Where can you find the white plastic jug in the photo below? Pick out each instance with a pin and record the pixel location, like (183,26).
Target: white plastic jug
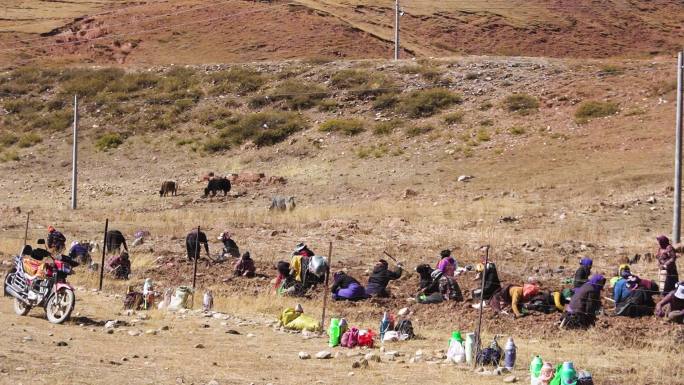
(456,352)
(469,347)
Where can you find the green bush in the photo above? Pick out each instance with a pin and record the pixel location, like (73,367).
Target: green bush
(27,79)
(236,80)
(362,83)
(328,105)
(423,103)
(595,109)
(29,139)
(9,155)
(386,128)
(610,69)
(108,141)
(345,126)
(87,82)
(454,117)
(483,135)
(54,121)
(134,82)
(385,101)
(298,95)
(516,130)
(413,131)
(263,128)
(22,105)
(521,103)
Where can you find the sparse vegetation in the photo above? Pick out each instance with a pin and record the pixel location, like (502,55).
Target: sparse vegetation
(414,131)
(7,139)
(427,72)
(483,135)
(263,128)
(362,83)
(425,103)
(328,105)
(9,156)
(298,95)
(521,103)
(516,130)
(108,141)
(385,101)
(387,127)
(594,109)
(610,69)
(345,126)
(28,140)
(485,106)
(236,80)
(376,151)
(456,117)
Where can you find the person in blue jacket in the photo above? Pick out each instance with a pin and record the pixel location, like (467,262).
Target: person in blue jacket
(620,290)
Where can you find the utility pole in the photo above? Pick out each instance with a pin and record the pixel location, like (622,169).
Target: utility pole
(74,160)
(676,223)
(396,29)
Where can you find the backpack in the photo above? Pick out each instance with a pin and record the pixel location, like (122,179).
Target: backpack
(489,356)
(350,338)
(405,330)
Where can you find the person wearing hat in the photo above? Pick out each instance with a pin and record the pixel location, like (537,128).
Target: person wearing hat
(515,296)
(447,264)
(640,300)
(621,269)
(581,311)
(492,284)
(583,272)
(193,241)
(380,278)
(300,262)
(229,246)
(442,288)
(675,300)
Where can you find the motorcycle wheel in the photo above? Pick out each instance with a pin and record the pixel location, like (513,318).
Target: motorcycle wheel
(59,306)
(21,308)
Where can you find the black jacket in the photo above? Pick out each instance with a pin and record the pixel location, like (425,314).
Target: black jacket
(343,283)
(581,276)
(380,277)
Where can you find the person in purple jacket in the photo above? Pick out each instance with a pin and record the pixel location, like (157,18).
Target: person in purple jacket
(447,264)
(346,287)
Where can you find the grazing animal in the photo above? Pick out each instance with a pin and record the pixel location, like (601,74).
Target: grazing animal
(282,203)
(216,185)
(114,240)
(168,187)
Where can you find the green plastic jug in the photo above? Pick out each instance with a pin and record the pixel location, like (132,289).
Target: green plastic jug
(334,332)
(535,370)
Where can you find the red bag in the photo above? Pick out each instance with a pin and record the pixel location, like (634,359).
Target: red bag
(366,338)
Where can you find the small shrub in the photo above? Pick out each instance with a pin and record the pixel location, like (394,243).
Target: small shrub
(427,72)
(663,87)
(298,95)
(611,69)
(216,144)
(54,121)
(472,75)
(362,83)
(385,101)
(236,80)
(9,155)
(425,103)
(386,128)
(454,117)
(133,82)
(29,139)
(417,130)
(483,135)
(521,103)
(328,105)
(636,112)
(374,151)
(485,106)
(210,114)
(108,141)
(594,109)
(7,139)
(87,82)
(21,105)
(486,123)
(515,130)
(348,127)
(258,102)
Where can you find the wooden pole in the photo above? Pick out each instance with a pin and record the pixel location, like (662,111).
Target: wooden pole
(194,268)
(28,215)
(479,322)
(104,247)
(327,288)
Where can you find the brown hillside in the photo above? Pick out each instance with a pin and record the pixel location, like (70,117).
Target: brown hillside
(190,31)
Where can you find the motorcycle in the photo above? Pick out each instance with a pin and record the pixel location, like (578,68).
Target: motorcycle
(52,292)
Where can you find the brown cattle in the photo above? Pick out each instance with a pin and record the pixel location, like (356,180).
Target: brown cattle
(168,187)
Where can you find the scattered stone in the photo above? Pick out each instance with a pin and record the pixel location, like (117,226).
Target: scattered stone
(354,353)
(350,374)
(199,346)
(323,355)
(213,382)
(204,326)
(151,332)
(111,324)
(652,200)
(465,178)
(304,355)
(61,343)
(231,331)
(408,193)
(360,364)
(403,311)
(20,369)
(250,335)
(510,379)
(133,333)
(28,339)
(124,359)
(372,357)
(164,328)
(110,331)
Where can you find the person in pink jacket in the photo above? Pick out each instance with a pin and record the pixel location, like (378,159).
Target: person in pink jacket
(447,264)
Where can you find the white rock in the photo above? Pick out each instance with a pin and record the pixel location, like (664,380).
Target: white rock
(324,355)
(372,357)
(465,178)
(133,333)
(304,355)
(111,324)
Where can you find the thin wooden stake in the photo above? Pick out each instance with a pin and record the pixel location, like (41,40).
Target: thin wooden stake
(28,215)
(327,288)
(104,247)
(479,322)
